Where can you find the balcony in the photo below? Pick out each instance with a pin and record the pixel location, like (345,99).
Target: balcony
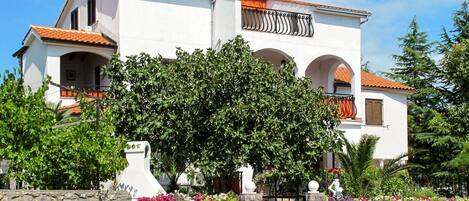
(346,104)
(277,21)
(74,91)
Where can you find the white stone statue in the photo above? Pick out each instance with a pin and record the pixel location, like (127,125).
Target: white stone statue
(335,188)
(137,178)
(247,180)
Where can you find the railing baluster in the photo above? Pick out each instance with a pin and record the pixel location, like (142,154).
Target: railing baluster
(346,104)
(277,21)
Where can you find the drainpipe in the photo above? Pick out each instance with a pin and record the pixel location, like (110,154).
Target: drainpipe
(212,23)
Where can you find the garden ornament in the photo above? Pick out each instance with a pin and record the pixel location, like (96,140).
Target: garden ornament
(335,188)
(313,186)
(250,187)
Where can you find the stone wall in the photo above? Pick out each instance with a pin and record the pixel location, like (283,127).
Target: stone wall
(20,195)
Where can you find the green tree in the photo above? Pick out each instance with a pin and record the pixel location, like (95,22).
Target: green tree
(356,160)
(462,159)
(415,67)
(219,110)
(50,157)
(460,31)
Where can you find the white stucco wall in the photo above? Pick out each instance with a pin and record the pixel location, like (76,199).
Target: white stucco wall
(107,17)
(393,133)
(82,14)
(160,26)
(34,65)
(336,35)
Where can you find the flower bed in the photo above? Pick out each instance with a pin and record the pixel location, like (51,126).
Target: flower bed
(196,197)
(398,198)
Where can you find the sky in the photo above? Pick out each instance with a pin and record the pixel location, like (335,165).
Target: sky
(389,21)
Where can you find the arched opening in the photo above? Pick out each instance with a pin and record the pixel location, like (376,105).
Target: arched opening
(336,77)
(322,72)
(82,71)
(274,56)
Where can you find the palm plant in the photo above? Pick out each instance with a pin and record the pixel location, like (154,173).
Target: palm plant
(357,160)
(60,114)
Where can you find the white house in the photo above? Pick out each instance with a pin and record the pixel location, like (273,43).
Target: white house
(324,41)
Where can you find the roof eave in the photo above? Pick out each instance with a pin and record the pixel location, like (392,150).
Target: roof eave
(344,12)
(53,40)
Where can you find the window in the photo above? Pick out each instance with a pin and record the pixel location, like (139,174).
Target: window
(91,12)
(374,112)
(74,19)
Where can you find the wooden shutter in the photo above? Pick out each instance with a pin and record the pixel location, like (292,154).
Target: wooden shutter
(374,112)
(254,3)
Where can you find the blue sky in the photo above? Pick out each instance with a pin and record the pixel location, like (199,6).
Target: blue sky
(390,20)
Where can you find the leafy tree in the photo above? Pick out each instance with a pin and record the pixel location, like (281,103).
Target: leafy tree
(49,157)
(219,110)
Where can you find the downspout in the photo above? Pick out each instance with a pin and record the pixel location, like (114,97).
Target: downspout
(365,19)
(212,23)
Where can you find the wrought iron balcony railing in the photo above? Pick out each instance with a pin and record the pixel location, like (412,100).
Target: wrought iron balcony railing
(346,104)
(277,21)
(74,91)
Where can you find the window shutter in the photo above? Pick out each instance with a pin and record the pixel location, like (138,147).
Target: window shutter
(374,112)
(368,111)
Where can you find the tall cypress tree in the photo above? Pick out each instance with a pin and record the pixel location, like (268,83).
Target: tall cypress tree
(415,67)
(450,77)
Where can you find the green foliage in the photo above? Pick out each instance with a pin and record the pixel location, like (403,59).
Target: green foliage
(75,157)
(356,161)
(360,178)
(61,115)
(401,184)
(219,110)
(424,192)
(462,159)
(415,66)
(439,110)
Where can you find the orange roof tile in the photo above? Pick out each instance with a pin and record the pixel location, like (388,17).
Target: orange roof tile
(74,109)
(300,2)
(369,80)
(93,38)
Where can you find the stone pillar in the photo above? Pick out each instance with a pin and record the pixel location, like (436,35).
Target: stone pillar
(381,163)
(315,197)
(250,197)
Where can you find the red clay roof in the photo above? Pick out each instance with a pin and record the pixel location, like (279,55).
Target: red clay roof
(93,38)
(364,12)
(74,109)
(369,80)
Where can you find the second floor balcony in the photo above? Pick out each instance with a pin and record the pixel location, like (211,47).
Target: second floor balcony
(277,21)
(76,91)
(345,103)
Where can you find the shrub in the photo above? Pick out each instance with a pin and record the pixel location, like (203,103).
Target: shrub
(397,185)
